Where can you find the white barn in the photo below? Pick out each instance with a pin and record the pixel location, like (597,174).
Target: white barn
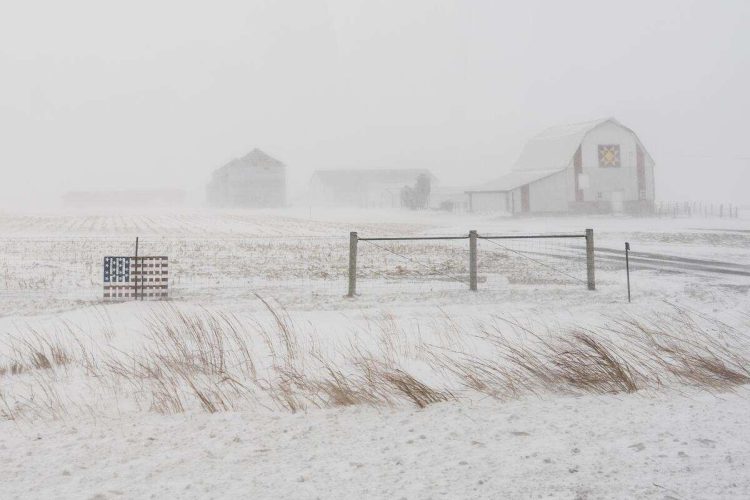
(597,166)
(254,181)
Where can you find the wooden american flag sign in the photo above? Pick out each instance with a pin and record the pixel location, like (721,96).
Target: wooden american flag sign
(132,278)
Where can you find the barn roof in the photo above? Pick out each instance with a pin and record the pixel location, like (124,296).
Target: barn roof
(554,147)
(258,158)
(547,153)
(255,158)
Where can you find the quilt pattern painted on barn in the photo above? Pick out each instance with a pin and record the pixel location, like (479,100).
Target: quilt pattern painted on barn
(609,155)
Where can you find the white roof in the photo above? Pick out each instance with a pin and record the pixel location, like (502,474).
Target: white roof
(512,180)
(547,153)
(554,147)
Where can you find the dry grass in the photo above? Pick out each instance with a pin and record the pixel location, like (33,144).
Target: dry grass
(35,351)
(413,389)
(214,362)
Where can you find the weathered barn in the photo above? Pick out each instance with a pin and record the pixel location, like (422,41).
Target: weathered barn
(375,188)
(254,181)
(597,166)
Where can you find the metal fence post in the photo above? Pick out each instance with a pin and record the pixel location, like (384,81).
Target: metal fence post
(473,260)
(627,266)
(353,238)
(590,259)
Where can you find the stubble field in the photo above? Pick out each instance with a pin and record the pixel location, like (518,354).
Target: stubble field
(258,325)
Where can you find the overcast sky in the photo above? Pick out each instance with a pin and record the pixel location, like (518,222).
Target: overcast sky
(159,93)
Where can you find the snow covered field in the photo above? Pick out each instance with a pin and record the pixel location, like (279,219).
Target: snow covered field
(692,445)
(260,379)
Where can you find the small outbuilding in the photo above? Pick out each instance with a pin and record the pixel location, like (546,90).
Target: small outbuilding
(254,181)
(373,188)
(597,166)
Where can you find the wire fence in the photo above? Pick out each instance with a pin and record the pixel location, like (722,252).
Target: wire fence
(60,271)
(444,263)
(532,261)
(696,209)
(45,273)
(423,266)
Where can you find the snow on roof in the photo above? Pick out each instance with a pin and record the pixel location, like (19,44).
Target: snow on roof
(554,147)
(512,180)
(547,153)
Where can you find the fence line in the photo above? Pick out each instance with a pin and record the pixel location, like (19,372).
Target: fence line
(472,236)
(409,259)
(532,236)
(535,260)
(696,209)
(414,238)
(46,273)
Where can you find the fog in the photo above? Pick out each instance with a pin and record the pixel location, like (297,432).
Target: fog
(158,94)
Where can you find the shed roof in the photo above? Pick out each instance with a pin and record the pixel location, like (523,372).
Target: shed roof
(513,180)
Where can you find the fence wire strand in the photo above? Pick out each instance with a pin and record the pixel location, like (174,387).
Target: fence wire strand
(521,254)
(409,259)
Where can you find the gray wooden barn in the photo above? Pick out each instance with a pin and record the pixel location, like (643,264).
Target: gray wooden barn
(254,181)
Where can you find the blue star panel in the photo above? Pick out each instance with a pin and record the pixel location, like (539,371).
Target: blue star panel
(130,278)
(116,269)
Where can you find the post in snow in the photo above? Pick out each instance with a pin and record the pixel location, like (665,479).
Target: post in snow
(353,238)
(473,260)
(590,259)
(627,266)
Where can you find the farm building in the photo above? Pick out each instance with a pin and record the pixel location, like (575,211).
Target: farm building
(254,181)
(373,188)
(597,166)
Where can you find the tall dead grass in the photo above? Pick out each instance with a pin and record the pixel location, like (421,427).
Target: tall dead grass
(215,362)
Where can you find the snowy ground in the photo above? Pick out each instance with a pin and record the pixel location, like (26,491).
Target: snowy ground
(76,431)
(54,262)
(635,446)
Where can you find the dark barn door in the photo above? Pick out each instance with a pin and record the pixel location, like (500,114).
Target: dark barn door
(525,204)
